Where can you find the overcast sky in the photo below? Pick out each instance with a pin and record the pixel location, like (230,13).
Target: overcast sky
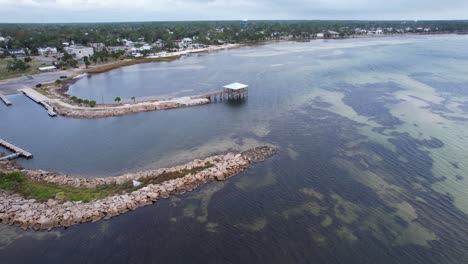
(48,11)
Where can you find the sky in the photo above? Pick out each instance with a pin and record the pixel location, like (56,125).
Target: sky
(58,11)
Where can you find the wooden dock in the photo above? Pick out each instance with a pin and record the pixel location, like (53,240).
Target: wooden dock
(15,149)
(40,99)
(5,100)
(210,96)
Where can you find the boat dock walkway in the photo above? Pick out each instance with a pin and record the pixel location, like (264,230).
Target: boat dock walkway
(15,149)
(4,99)
(40,99)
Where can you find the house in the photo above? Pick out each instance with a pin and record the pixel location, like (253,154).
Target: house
(379,32)
(116,48)
(320,35)
(360,31)
(16,52)
(66,44)
(128,43)
(2,39)
(97,46)
(159,43)
(145,47)
(79,52)
(332,34)
(187,42)
(47,50)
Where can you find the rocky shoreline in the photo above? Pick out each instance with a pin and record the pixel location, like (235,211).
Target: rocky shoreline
(30,214)
(67,110)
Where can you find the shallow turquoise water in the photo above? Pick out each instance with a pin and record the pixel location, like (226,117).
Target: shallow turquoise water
(372,164)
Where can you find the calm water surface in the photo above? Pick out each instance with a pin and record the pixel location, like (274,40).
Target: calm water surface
(372,165)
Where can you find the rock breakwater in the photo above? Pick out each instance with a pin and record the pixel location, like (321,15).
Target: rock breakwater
(68,110)
(31,214)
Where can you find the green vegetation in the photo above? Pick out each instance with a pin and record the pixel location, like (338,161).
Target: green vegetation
(67,60)
(119,64)
(174,175)
(32,36)
(117,99)
(6,74)
(43,191)
(90,103)
(16,65)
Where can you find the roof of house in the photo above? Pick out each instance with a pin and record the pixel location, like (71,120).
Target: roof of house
(236,86)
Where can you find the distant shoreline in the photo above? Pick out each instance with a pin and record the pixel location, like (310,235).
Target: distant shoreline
(73,73)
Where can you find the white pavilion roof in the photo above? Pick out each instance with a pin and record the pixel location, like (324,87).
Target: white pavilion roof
(236,86)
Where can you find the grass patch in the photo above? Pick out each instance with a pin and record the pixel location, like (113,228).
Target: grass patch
(43,191)
(119,64)
(5,74)
(174,175)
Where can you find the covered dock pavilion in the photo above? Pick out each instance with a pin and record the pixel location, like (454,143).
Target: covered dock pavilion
(236,90)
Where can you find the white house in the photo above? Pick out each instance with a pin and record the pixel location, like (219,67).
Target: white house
(320,35)
(97,46)
(47,50)
(333,34)
(145,47)
(79,52)
(187,42)
(379,32)
(2,38)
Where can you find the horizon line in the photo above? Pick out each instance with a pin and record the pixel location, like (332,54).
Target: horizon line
(258,20)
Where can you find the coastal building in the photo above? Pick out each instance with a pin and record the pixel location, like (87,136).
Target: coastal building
(379,32)
(320,35)
(16,52)
(97,46)
(332,34)
(187,42)
(128,43)
(79,52)
(159,43)
(116,48)
(47,50)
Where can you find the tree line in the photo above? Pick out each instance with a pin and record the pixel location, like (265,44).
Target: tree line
(32,36)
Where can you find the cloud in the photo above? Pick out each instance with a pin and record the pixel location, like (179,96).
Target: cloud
(151,10)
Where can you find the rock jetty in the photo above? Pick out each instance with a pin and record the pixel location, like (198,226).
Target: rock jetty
(30,214)
(68,110)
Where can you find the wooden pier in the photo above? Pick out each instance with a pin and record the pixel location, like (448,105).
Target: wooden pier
(5,100)
(234,91)
(40,99)
(15,149)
